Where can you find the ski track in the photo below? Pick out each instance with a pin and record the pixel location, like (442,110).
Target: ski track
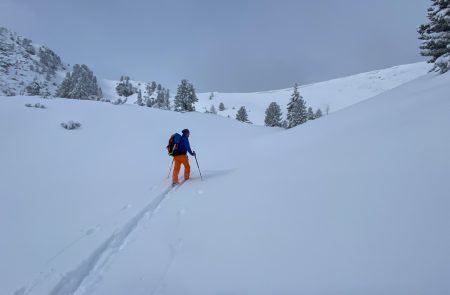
(89,272)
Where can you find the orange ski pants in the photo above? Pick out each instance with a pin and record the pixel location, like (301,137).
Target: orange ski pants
(181,159)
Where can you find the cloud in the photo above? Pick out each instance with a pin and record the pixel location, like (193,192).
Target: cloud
(17,16)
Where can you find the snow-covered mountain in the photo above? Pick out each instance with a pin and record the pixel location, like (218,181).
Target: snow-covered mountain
(356,202)
(28,68)
(331,95)
(24,63)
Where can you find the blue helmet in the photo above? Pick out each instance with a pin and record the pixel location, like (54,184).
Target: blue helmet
(185,131)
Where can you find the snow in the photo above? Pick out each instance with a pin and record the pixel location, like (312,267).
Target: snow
(18,68)
(353,203)
(336,94)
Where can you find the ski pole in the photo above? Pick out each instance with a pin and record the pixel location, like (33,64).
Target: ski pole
(195,155)
(170,168)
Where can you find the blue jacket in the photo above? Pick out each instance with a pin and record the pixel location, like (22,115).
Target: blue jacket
(183,146)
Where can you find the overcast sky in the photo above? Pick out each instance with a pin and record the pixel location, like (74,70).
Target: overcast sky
(224,45)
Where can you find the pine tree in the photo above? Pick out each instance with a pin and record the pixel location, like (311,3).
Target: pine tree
(160,101)
(33,89)
(167,99)
(80,84)
(64,88)
(185,98)
(435,35)
(318,114)
(310,114)
(242,116)
(211,96)
(296,110)
(273,115)
(150,88)
(221,107)
(149,102)
(139,98)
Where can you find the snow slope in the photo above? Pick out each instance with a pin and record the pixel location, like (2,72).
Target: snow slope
(23,62)
(354,203)
(336,94)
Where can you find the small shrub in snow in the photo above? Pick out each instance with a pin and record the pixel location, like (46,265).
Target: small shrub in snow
(71,125)
(36,105)
(119,101)
(105,100)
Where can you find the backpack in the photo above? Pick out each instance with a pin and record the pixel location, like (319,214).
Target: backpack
(172,147)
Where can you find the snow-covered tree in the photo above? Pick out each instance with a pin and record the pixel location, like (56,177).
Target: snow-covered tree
(221,107)
(160,101)
(185,98)
(150,88)
(211,96)
(80,84)
(242,116)
(50,60)
(435,35)
(149,102)
(273,115)
(65,87)
(139,98)
(318,114)
(310,114)
(296,110)
(26,44)
(33,89)
(124,87)
(167,99)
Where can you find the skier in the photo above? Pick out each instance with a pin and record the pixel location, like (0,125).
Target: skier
(180,157)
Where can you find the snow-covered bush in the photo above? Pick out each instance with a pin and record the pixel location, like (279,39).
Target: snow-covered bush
(119,101)
(36,105)
(71,125)
(443,62)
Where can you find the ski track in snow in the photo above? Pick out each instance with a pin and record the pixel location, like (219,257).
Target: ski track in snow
(89,272)
(45,274)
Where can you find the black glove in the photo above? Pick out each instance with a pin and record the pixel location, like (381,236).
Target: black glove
(194,154)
